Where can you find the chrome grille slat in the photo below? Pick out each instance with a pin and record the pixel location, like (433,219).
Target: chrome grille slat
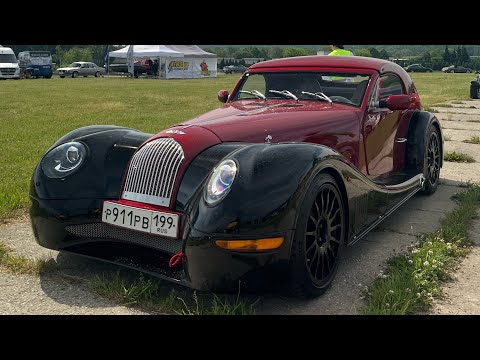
(161,168)
(173,176)
(171,171)
(140,173)
(149,153)
(168,162)
(152,172)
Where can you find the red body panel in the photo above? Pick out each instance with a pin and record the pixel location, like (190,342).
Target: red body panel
(350,130)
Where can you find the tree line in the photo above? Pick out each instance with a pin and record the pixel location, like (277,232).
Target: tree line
(435,58)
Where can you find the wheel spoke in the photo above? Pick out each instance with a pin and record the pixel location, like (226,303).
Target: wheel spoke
(331,218)
(311,233)
(327,202)
(310,247)
(333,203)
(316,269)
(333,228)
(313,259)
(328,261)
(334,239)
(323,262)
(318,210)
(314,220)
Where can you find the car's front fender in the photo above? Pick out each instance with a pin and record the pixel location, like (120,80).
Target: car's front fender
(109,150)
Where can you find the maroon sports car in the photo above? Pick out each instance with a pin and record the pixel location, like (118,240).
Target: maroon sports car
(307,155)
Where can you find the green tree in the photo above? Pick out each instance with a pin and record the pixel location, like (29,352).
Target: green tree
(77,54)
(384,54)
(290,52)
(275,52)
(447,56)
(362,52)
(374,52)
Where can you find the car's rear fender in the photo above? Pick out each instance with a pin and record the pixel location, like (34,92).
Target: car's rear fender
(419,125)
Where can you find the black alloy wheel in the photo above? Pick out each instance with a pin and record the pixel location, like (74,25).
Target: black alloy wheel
(319,238)
(432,173)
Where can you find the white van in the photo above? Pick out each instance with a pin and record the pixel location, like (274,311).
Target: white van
(9,68)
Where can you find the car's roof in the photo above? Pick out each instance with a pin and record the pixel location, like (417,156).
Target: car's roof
(359,62)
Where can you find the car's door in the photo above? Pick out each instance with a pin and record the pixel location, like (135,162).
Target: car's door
(91,69)
(380,127)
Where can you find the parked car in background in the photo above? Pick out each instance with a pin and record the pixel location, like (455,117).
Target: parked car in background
(475,88)
(456,69)
(234,69)
(142,66)
(306,156)
(417,68)
(35,64)
(9,68)
(81,68)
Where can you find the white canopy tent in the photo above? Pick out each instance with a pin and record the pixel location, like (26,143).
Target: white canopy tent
(140,51)
(145,51)
(196,63)
(177,61)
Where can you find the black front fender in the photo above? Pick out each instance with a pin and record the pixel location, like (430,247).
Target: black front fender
(263,199)
(109,150)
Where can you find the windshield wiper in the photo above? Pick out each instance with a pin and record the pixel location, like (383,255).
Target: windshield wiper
(285,93)
(318,95)
(255,93)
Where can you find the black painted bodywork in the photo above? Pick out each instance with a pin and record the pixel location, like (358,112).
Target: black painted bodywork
(270,186)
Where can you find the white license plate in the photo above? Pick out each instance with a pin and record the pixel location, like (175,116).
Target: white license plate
(149,221)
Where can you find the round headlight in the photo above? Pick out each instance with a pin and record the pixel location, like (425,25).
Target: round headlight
(64,159)
(220,181)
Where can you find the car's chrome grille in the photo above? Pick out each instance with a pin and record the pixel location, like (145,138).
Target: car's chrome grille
(152,172)
(7,71)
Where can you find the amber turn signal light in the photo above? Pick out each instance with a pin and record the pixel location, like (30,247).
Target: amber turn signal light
(251,245)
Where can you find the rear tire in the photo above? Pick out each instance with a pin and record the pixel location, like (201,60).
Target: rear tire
(425,157)
(319,238)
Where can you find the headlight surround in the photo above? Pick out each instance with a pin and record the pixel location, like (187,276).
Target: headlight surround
(64,159)
(221,181)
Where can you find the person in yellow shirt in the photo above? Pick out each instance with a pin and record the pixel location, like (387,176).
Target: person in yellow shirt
(338,50)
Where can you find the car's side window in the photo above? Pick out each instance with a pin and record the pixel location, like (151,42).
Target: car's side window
(390,85)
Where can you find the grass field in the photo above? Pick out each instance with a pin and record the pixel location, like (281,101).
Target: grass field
(34,113)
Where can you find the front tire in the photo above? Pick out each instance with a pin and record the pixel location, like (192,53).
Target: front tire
(97,74)
(74,74)
(319,238)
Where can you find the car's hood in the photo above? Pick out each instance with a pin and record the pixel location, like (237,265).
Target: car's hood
(280,121)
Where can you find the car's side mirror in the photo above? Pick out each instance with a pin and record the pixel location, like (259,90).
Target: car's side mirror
(223,96)
(396,102)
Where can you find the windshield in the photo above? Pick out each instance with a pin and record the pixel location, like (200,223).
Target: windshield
(8,58)
(74,65)
(346,88)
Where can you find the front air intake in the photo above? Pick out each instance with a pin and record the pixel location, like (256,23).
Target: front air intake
(152,172)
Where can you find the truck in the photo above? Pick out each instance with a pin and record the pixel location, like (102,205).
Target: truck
(9,68)
(35,64)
